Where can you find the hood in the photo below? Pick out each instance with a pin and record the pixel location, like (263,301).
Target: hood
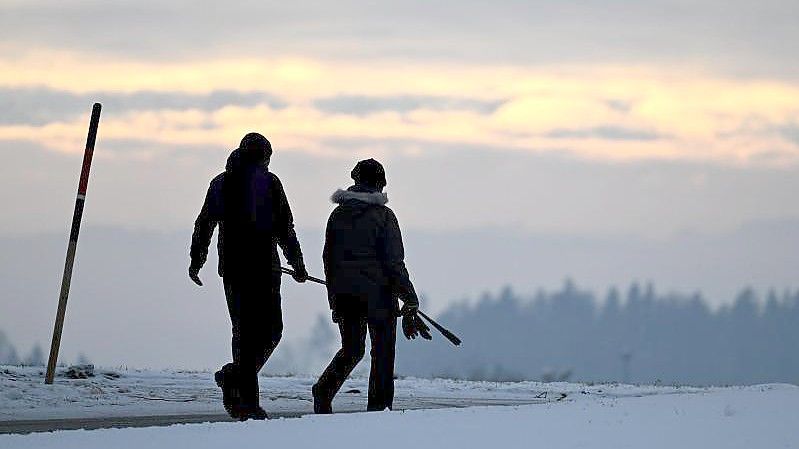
(237,160)
(361,195)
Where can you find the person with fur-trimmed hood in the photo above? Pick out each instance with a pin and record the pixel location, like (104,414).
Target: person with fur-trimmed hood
(365,270)
(249,204)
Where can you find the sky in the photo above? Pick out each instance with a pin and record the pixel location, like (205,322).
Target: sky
(698,85)
(580,120)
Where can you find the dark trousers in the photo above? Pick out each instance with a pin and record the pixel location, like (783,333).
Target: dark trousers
(353,324)
(257,324)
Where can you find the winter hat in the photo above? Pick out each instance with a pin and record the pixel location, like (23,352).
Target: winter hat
(255,148)
(369,173)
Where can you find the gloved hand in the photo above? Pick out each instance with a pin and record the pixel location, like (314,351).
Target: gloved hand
(194,275)
(300,273)
(409,308)
(413,326)
(334,315)
(421,326)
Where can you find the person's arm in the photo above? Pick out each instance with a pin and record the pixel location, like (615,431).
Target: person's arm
(394,263)
(285,233)
(203,233)
(327,261)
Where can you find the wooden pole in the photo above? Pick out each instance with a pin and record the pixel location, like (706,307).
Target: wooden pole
(73,243)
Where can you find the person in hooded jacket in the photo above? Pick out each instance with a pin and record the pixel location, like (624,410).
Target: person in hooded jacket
(249,204)
(365,270)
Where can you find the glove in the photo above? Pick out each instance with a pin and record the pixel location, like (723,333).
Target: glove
(421,326)
(194,275)
(413,326)
(334,315)
(409,308)
(300,273)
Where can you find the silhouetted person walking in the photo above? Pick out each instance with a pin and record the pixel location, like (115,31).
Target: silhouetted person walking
(250,206)
(365,271)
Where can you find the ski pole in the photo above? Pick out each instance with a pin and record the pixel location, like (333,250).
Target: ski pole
(444,331)
(310,278)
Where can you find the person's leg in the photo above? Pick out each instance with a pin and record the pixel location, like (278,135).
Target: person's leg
(273,327)
(234,310)
(383,334)
(250,345)
(352,327)
(227,377)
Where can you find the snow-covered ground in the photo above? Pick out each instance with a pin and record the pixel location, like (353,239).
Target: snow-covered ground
(23,395)
(598,416)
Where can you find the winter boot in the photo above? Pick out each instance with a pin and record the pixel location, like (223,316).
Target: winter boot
(256,413)
(321,405)
(227,379)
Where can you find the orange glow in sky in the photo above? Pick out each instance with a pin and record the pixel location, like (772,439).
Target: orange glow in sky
(671,114)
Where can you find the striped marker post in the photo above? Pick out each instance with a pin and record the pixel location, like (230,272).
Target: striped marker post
(73,242)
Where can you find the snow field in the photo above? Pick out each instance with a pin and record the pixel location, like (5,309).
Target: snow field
(758,417)
(23,395)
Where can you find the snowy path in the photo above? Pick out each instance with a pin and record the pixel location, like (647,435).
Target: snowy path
(93,423)
(125,393)
(761,417)
(49,425)
(135,398)
(553,415)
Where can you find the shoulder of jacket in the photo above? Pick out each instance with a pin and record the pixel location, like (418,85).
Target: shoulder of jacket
(386,214)
(218,179)
(273,177)
(336,210)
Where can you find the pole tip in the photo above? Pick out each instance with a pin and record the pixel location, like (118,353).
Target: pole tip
(97,107)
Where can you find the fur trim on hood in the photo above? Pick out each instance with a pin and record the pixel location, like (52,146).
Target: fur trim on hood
(378,198)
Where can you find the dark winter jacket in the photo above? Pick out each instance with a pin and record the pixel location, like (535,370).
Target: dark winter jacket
(363,254)
(251,208)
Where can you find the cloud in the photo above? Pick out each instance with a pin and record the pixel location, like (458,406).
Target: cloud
(39,105)
(362,105)
(604,132)
(597,112)
(734,37)
(619,105)
(790,132)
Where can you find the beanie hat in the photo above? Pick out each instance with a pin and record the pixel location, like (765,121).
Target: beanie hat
(369,173)
(255,147)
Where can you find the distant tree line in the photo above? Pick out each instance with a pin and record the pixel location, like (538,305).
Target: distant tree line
(638,337)
(9,355)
